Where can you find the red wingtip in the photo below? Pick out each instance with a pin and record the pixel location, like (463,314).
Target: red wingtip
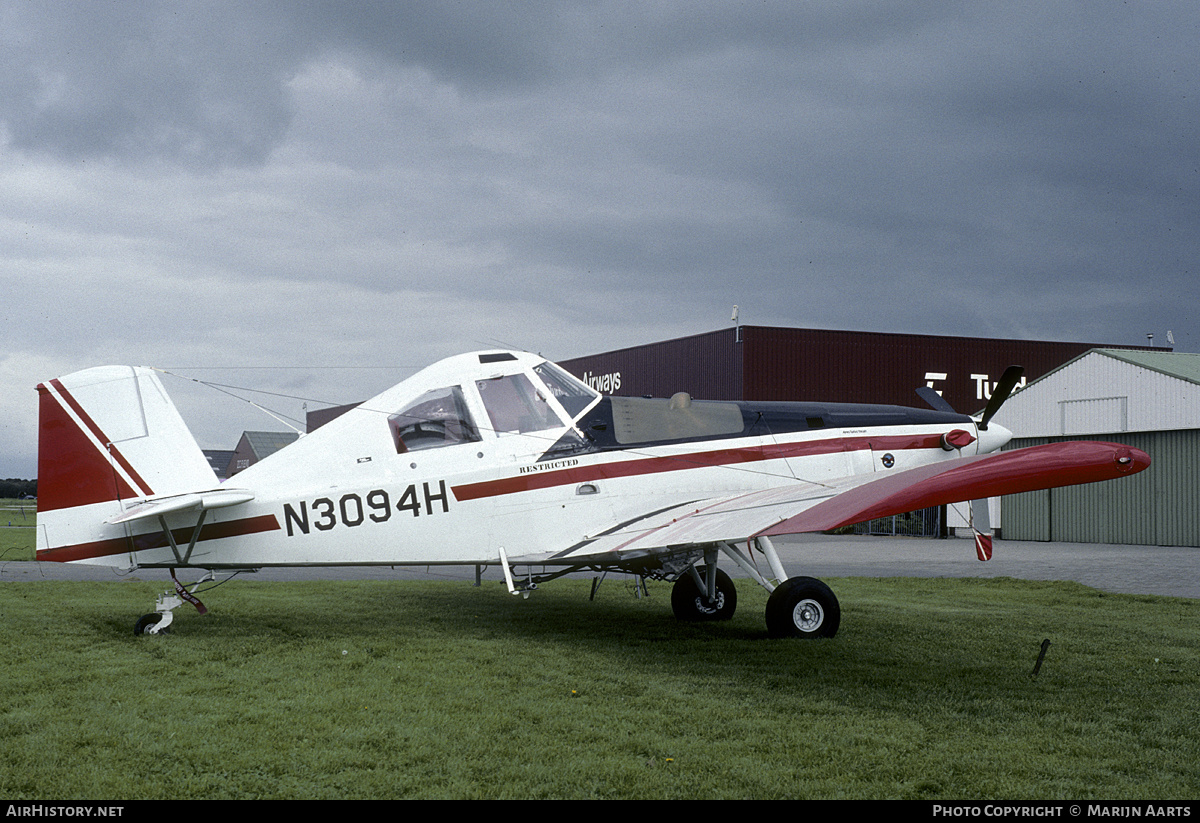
(1130,460)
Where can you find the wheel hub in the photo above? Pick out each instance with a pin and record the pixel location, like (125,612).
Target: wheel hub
(703,606)
(808,615)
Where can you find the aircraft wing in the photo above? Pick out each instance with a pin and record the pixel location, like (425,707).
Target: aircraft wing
(812,507)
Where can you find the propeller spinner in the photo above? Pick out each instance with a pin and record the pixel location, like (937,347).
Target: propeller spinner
(989,441)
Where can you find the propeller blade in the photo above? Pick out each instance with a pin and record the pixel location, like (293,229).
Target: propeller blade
(1008,381)
(935,400)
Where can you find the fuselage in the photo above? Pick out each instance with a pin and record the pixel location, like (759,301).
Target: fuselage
(501,450)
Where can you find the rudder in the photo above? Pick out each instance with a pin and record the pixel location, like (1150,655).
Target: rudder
(106,436)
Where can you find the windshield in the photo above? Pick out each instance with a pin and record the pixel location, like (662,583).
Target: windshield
(572,395)
(514,405)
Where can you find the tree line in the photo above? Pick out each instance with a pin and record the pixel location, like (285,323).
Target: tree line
(14,488)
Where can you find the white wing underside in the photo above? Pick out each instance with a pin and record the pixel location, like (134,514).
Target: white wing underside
(809,507)
(712,520)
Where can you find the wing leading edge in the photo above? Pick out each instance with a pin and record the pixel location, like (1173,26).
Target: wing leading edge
(815,508)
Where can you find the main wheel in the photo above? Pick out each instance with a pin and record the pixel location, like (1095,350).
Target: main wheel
(146,621)
(803,607)
(691,604)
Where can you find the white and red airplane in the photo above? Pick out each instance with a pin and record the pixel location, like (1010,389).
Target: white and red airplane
(503,458)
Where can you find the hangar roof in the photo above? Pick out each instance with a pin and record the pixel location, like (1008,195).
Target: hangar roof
(1184,365)
(264,444)
(1109,391)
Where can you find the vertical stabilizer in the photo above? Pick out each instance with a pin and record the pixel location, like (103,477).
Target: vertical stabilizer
(108,436)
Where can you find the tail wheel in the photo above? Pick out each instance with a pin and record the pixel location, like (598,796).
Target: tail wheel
(146,621)
(691,604)
(803,607)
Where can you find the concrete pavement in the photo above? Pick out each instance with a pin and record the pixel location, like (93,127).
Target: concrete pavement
(1164,570)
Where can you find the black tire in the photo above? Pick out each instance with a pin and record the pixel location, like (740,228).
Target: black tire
(146,621)
(803,607)
(691,604)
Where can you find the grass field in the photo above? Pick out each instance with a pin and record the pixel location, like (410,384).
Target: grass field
(429,689)
(17,520)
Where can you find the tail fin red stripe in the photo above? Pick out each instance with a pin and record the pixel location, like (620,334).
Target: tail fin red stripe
(72,469)
(100,436)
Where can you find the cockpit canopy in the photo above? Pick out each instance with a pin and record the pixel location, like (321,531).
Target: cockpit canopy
(437,418)
(544,398)
(490,395)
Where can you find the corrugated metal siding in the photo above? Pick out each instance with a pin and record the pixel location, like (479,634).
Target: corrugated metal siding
(1095,392)
(706,366)
(1157,507)
(874,367)
(1177,455)
(1026,516)
(817,364)
(1109,414)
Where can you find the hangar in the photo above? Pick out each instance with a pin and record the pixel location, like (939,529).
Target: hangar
(254,446)
(1146,399)
(772,363)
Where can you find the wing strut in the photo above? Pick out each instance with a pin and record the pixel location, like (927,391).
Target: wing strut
(737,556)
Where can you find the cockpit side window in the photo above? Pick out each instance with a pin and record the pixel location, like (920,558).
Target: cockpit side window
(573,395)
(514,405)
(638,420)
(437,418)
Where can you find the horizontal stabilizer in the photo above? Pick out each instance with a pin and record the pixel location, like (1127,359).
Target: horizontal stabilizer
(201,501)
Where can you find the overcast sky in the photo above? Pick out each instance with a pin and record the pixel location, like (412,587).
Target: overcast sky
(319,198)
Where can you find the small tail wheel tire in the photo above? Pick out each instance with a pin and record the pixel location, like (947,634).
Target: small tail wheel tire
(146,621)
(692,605)
(803,607)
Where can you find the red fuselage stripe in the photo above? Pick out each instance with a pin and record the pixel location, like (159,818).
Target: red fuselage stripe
(697,460)
(158,540)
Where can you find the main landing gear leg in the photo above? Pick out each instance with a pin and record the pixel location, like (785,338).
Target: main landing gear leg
(159,621)
(801,607)
(704,593)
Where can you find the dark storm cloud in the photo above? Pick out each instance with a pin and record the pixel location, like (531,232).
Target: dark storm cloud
(473,44)
(363,182)
(204,82)
(142,80)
